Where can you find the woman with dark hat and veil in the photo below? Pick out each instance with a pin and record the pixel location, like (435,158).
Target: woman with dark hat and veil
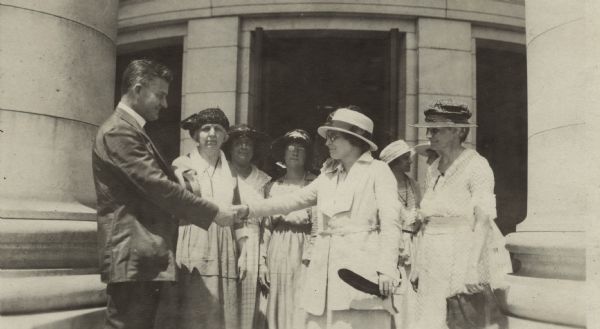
(242,149)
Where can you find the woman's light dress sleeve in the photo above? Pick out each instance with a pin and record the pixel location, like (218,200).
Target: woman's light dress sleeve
(304,198)
(481,186)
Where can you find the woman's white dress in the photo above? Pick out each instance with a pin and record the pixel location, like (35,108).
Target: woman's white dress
(207,287)
(358,227)
(285,240)
(450,200)
(252,302)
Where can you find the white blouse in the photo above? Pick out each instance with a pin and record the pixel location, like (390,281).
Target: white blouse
(466,184)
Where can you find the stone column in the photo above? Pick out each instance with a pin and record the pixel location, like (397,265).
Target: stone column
(548,286)
(444,69)
(210,67)
(57,64)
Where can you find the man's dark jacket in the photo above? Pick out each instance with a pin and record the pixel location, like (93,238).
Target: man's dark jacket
(139,204)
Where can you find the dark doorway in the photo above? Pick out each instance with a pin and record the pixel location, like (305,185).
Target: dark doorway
(164,132)
(502,132)
(306,74)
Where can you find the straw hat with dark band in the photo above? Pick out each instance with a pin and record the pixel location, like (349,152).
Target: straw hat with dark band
(350,122)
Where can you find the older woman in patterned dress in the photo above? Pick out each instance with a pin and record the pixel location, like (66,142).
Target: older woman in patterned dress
(462,249)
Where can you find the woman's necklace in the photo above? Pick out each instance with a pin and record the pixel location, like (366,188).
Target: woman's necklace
(405,198)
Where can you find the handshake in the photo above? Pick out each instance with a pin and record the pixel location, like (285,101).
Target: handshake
(231,214)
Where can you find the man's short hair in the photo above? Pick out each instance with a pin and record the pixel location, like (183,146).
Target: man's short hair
(142,71)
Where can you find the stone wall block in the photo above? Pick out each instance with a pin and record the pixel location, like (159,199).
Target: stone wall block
(211,70)
(225,101)
(438,33)
(446,72)
(412,72)
(220,32)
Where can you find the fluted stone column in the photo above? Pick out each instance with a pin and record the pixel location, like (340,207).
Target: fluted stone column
(57,67)
(548,287)
(210,68)
(445,69)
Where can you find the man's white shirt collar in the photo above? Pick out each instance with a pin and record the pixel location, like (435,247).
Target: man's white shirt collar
(138,118)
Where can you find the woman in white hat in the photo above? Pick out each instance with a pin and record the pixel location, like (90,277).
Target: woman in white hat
(358,226)
(461,251)
(398,155)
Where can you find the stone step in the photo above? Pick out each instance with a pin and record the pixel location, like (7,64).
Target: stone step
(50,293)
(89,318)
(46,244)
(22,273)
(518,323)
(562,302)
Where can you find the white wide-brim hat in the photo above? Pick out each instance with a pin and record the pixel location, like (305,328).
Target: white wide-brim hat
(394,150)
(350,122)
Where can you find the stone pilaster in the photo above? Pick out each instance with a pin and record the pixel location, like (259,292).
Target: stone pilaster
(210,68)
(444,68)
(548,286)
(57,67)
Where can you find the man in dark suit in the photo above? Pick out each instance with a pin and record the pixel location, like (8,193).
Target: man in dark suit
(140,201)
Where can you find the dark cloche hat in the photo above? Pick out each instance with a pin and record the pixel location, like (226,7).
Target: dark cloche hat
(242,129)
(296,135)
(213,115)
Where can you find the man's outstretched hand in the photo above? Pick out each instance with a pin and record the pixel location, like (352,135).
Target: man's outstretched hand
(241,211)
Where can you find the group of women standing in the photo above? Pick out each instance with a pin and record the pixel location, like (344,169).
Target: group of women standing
(279,269)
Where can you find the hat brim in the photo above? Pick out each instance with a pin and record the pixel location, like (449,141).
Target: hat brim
(255,135)
(421,149)
(280,141)
(442,125)
(278,145)
(412,154)
(323,130)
